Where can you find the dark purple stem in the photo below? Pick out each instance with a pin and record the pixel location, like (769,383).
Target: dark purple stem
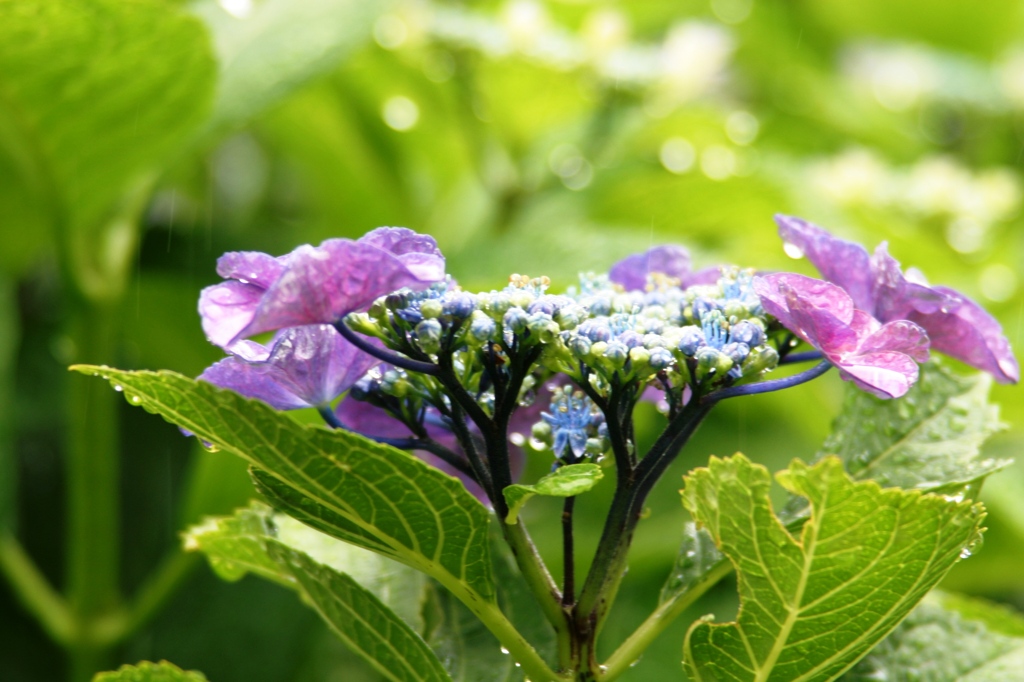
(806,356)
(383,354)
(767,386)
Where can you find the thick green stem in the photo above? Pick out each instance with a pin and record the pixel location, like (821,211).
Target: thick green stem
(631,492)
(33,590)
(666,613)
(91,447)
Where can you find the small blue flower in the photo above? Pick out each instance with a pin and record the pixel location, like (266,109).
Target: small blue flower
(571,418)
(714,326)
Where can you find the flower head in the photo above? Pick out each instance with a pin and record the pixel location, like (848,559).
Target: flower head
(956,325)
(880,358)
(306,366)
(314,285)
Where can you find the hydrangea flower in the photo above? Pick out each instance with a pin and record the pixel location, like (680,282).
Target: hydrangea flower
(956,325)
(669,260)
(306,366)
(314,285)
(880,358)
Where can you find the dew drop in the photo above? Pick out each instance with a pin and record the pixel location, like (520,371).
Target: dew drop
(792,250)
(504,651)
(118,387)
(136,399)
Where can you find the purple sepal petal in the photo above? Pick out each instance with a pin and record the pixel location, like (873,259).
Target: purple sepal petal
(632,271)
(307,366)
(878,358)
(839,261)
(968,333)
(226,309)
(707,276)
(954,324)
(323,284)
(251,267)
(899,335)
(886,374)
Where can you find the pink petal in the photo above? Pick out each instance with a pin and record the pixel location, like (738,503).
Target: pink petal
(250,267)
(969,334)
(839,261)
(226,309)
(323,284)
(900,335)
(886,374)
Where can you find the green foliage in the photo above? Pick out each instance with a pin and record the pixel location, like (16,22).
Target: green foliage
(811,607)
(566,481)
(361,621)
(338,482)
(930,439)
(276,46)
(150,672)
(95,96)
(698,557)
(237,544)
(357,593)
(938,644)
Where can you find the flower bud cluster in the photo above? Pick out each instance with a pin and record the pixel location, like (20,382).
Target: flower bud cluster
(704,333)
(596,332)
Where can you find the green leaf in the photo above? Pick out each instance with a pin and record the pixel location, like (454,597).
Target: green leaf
(367,626)
(150,672)
(929,439)
(697,557)
(567,481)
(236,545)
(937,644)
(342,484)
(811,607)
(277,46)
(996,617)
(95,97)
(372,603)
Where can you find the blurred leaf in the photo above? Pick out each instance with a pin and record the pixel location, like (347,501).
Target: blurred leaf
(336,481)
(936,644)
(95,96)
(698,555)
(267,49)
(363,622)
(150,672)
(996,617)
(566,481)
(330,574)
(462,642)
(929,439)
(9,339)
(236,545)
(810,608)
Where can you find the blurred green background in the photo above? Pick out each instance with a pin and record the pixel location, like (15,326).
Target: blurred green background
(141,139)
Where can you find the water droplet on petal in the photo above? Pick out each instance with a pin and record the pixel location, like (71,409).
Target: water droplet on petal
(792,250)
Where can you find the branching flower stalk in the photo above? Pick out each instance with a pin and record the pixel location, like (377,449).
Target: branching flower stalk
(461,378)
